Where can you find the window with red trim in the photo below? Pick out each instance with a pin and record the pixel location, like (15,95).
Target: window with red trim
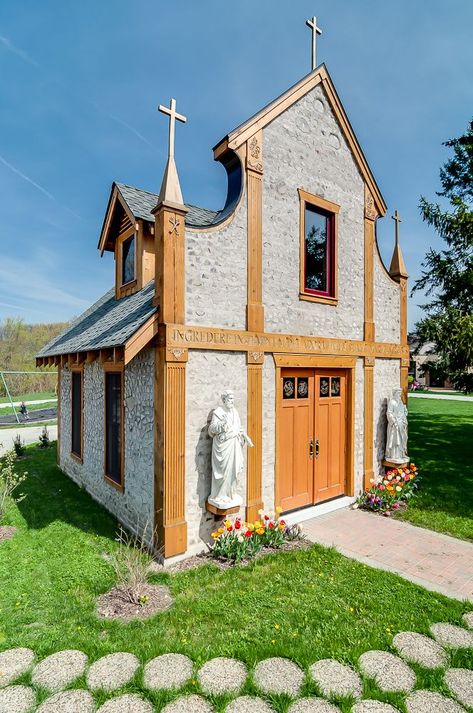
(319,251)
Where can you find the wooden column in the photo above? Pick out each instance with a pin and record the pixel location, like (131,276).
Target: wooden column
(368,421)
(254,177)
(370,218)
(403,337)
(254,497)
(170,262)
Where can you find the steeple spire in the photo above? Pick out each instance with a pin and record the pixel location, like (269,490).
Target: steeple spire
(170,191)
(397,269)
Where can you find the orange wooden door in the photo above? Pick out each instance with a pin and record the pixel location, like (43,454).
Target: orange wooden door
(330,433)
(295,434)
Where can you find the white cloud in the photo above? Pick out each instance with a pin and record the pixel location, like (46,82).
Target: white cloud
(8,44)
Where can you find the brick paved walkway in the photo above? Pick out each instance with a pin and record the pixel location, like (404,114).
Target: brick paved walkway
(435,561)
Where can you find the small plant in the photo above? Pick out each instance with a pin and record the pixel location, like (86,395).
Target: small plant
(131,560)
(391,491)
(19,446)
(10,480)
(44,441)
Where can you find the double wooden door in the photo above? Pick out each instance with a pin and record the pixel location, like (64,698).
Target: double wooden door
(312,436)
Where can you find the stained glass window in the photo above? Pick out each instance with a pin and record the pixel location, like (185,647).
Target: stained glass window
(324,386)
(289,388)
(302,387)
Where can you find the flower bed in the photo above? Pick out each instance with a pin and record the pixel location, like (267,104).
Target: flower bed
(237,540)
(390,492)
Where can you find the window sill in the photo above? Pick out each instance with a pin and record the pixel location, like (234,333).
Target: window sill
(318,298)
(118,486)
(126,285)
(78,459)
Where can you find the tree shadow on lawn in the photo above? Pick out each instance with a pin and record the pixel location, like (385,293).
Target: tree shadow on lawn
(51,496)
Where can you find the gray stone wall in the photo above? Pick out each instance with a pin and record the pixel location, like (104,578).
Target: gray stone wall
(387,376)
(304,148)
(208,375)
(135,506)
(387,295)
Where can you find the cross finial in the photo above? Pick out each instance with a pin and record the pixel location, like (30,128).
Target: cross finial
(397,218)
(312,23)
(173,115)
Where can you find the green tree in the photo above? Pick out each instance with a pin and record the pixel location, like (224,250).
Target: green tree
(447,274)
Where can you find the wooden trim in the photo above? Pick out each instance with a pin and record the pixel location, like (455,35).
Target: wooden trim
(126,288)
(255,309)
(350,464)
(314,361)
(59,425)
(254,501)
(141,338)
(78,370)
(368,425)
(115,368)
(369,229)
(170,264)
(114,198)
(334,209)
(403,309)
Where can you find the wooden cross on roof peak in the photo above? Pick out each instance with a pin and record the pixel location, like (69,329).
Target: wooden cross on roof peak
(173,115)
(312,23)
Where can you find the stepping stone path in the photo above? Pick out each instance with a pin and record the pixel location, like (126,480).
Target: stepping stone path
(57,671)
(313,705)
(16,699)
(188,704)
(390,672)
(420,649)
(451,636)
(460,682)
(112,671)
(373,707)
(336,679)
(129,703)
(468,619)
(429,702)
(14,663)
(167,671)
(222,675)
(77,701)
(278,675)
(249,704)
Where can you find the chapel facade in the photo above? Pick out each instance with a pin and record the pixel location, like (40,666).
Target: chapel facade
(282,297)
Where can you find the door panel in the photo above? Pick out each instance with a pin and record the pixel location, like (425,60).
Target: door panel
(330,432)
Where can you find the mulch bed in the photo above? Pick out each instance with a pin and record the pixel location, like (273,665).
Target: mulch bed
(7,532)
(116,604)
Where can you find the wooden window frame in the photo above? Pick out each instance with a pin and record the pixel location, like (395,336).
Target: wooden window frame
(125,287)
(115,368)
(309,199)
(76,456)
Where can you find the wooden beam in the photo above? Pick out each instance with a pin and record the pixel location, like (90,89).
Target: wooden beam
(254,491)
(141,338)
(369,248)
(92,355)
(81,357)
(106,355)
(254,163)
(64,359)
(368,421)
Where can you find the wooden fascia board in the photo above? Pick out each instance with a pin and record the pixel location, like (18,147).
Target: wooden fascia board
(141,338)
(115,197)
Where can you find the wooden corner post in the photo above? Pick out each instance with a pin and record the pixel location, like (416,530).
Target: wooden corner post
(254,496)
(371,215)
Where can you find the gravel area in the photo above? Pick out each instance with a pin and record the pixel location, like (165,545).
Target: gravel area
(249,704)
(17,699)
(468,619)
(370,706)
(420,649)
(390,672)
(278,675)
(167,671)
(128,703)
(451,636)
(460,683)
(335,679)
(429,702)
(76,701)
(312,705)
(59,670)
(14,663)
(112,671)
(188,704)
(7,532)
(222,675)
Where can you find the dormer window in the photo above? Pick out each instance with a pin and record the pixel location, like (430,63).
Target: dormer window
(128,260)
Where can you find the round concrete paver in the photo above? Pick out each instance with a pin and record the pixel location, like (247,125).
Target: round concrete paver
(420,649)
(59,670)
(17,699)
(112,671)
(278,675)
(429,702)
(14,663)
(390,672)
(451,636)
(335,679)
(129,703)
(167,671)
(313,705)
(468,619)
(188,704)
(76,701)
(460,682)
(248,704)
(222,675)
(371,706)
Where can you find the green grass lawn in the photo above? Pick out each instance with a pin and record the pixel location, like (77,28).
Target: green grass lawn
(441,444)
(27,424)
(7,410)
(28,397)
(306,605)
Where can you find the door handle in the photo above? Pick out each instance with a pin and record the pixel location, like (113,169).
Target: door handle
(317,448)
(311,448)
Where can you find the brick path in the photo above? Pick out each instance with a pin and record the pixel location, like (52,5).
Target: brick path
(435,561)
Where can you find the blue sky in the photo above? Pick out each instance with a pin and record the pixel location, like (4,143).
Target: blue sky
(80,83)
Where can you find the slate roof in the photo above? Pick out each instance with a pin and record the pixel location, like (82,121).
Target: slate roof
(108,323)
(141,203)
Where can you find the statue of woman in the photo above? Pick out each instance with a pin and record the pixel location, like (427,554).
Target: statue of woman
(227,453)
(396,440)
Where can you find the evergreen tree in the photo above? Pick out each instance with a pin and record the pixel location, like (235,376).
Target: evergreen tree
(447,274)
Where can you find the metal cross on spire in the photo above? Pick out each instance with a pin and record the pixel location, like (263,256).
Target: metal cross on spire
(173,115)
(397,218)
(312,23)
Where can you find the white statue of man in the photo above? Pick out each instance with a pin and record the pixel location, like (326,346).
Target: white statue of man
(227,453)
(396,440)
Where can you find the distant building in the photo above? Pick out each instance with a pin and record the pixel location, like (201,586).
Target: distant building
(420,365)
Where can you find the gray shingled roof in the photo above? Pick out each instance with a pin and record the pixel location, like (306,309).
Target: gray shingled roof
(108,323)
(141,203)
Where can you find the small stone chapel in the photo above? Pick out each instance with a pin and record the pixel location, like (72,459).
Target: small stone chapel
(281,297)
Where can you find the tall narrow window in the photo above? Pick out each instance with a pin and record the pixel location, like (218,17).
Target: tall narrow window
(128,260)
(318,230)
(76,399)
(113,427)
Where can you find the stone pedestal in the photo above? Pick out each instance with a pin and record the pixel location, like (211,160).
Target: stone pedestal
(391,465)
(221,513)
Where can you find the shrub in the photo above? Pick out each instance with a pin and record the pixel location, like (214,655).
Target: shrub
(19,446)
(44,441)
(131,561)
(237,540)
(389,492)
(9,482)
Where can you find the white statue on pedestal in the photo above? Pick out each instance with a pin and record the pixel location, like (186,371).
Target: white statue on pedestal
(396,440)
(227,453)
